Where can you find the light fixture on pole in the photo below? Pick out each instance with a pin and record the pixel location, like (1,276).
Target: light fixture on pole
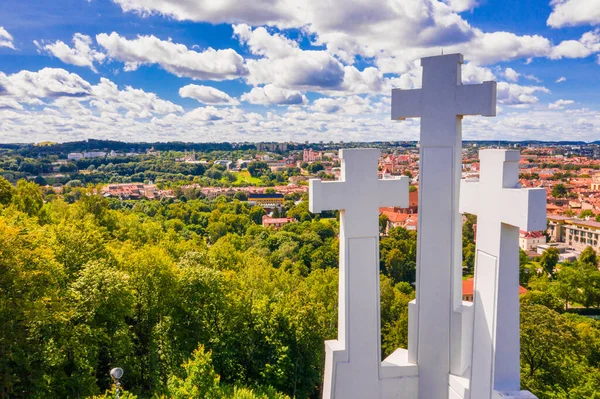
(116,375)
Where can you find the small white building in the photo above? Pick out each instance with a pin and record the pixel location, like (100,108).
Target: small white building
(94,154)
(529,240)
(74,156)
(223,162)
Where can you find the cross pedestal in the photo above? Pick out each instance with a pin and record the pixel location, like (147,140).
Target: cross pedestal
(437,317)
(353,367)
(502,208)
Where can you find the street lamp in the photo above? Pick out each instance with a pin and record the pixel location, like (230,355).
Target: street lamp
(116,375)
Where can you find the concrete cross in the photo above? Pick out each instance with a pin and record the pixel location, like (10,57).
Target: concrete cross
(353,367)
(502,208)
(436,318)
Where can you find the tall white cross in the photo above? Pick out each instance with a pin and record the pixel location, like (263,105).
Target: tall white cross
(436,318)
(353,367)
(502,208)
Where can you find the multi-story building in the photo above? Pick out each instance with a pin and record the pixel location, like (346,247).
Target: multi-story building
(595,185)
(576,233)
(266,200)
(311,156)
(74,156)
(529,240)
(94,154)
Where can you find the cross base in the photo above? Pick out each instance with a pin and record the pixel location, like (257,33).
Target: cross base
(396,377)
(459,389)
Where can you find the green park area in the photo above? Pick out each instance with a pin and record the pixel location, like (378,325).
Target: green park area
(244,177)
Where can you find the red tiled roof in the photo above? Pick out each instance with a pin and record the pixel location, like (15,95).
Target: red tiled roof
(396,217)
(531,234)
(468,287)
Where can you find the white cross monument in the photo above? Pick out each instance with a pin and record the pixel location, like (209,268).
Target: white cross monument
(438,321)
(353,367)
(502,208)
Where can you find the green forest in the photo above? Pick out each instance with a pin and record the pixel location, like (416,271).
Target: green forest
(195,299)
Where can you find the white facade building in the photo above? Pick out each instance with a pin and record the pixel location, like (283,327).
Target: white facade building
(529,240)
(74,156)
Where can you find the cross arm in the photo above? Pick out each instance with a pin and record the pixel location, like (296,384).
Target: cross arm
(469,197)
(529,212)
(479,99)
(394,192)
(326,196)
(406,103)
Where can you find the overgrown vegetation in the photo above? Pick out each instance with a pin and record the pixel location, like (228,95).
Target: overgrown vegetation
(195,299)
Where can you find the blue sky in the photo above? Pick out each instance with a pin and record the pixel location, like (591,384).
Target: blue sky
(279,70)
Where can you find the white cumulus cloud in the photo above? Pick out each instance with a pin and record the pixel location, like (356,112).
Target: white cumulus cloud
(560,104)
(518,96)
(177,59)
(257,12)
(81,54)
(46,83)
(511,74)
(561,79)
(286,66)
(462,5)
(588,44)
(136,102)
(207,95)
(573,13)
(59,90)
(273,95)
(352,105)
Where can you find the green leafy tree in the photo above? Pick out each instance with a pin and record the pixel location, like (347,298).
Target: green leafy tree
(555,354)
(560,191)
(469,258)
(256,214)
(383,223)
(258,168)
(549,260)
(199,379)
(398,268)
(569,280)
(525,270)
(315,167)
(589,258)
(240,196)
(586,213)
(590,287)
(28,198)
(6,191)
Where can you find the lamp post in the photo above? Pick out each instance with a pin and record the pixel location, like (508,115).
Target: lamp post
(116,375)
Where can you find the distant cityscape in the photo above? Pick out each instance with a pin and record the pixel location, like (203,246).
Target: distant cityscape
(569,171)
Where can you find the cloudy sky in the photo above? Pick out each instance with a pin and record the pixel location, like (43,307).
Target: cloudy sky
(278,70)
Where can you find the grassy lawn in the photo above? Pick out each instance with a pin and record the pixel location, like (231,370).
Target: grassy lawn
(244,177)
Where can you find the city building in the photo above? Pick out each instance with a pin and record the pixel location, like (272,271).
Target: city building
(223,162)
(467,289)
(130,191)
(266,200)
(276,223)
(529,240)
(575,233)
(94,154)
(311,156)
(74,156)
(595,185)
(565,252)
